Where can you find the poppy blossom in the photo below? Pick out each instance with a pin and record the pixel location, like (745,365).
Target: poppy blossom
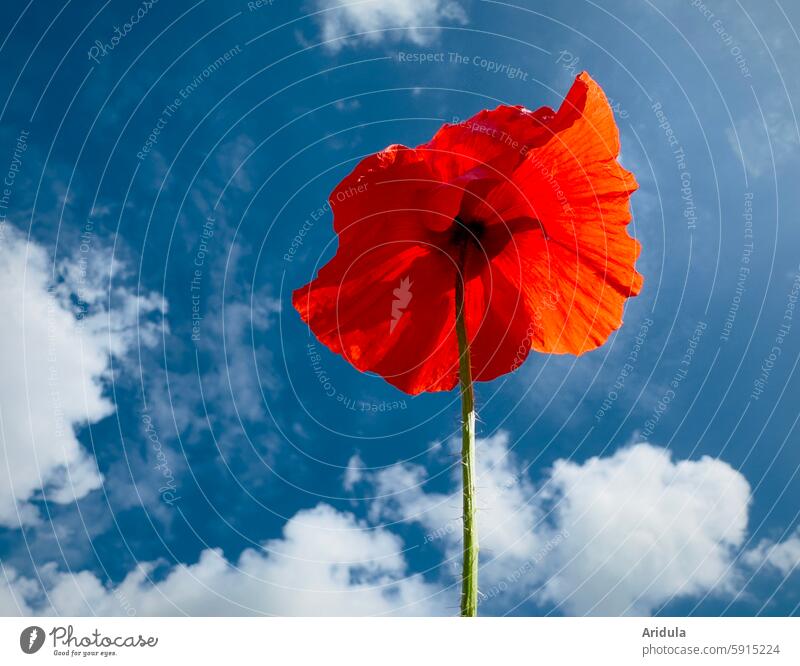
(524,211)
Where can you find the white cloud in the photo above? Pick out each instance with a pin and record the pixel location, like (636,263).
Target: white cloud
(231,160)
(623,534)
(327,563)
(507,510)
(617,535)
(54,350)
(244,367)
(240,371)
(765,142)
(642,530)
(345,105)
(418,18)
(354,472)
(783,556)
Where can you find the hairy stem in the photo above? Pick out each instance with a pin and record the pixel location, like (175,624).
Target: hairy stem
(469,571)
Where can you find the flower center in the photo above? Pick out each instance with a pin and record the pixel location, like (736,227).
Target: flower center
(467,231)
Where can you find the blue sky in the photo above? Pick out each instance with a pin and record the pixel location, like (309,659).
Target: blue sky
(176,441)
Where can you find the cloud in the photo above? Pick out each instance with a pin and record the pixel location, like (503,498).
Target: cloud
(326,563)
(618,535)
(231,159)
(781,556)
(354,472)
(240,367)
(764,142)
(55,346)
(238,373)
(419,20)
(643,530)
(507,511)
(345,105)
(237,370)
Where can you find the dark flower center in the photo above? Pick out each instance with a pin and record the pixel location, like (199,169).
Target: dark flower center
(467,231)
(482,241)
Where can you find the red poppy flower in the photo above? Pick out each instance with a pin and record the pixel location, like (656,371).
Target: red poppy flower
(528,208)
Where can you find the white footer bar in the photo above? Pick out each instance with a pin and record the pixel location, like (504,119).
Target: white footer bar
(403,641)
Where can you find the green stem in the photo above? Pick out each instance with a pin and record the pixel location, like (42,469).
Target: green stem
(469,571)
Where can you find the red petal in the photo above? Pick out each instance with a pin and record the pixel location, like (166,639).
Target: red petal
(389,310)
(577,275)
(496,140)
(383,213)
(395,187)
(498,323)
